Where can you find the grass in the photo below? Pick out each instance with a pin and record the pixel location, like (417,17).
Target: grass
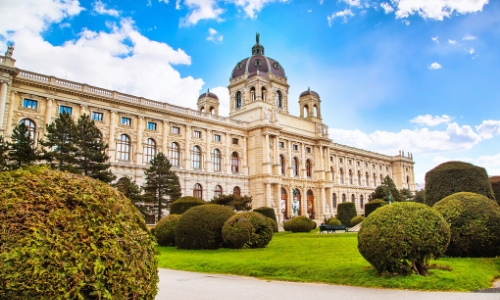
(328,258)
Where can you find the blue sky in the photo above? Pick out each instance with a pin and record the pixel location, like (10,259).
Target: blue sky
(412,75)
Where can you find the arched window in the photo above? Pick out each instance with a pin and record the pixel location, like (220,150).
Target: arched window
(174,154)
(374,180)
(350,177)
(333,173)
(30,125)
(263,94)
(359,178)
(279,99)
(315,111)
(341,176)
(353,198)
(282,165)
(237,191)
(216,160)
(149,150)
(234,163)
(217,191)
(295,166)
(123,147)
(198,191)
(343,198)
(212,110)
(238,99)
(252,94)
(196,158)
(381,179)
(334,201)
(407,179)
(367,183)
(309,168)
(306,111)
(202,109)
(361,204)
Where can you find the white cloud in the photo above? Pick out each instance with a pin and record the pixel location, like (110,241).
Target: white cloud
(100,8)
(355,3)
(452,42)
(422,140)
(491,163)
(344,15)
(201,10)
(387,8)
(213,36)
(429,120)
(437,9)
(435,66)
(252,7)
(223,94)
(469,37)
(178,4)
(435,39)
(489,128)
(471,51)
(406,22)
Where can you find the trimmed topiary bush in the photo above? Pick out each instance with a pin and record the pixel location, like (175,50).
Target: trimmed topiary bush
(475,224)
(298,224)
(454,177)
(495,185)
(356,220)
(181,205)
(266,211)
(201,227)
(164,231)
(401,238)
(333,221)
(68,236)
(273,223)
(314,224)
(248,230)
(345,212)
(373,205)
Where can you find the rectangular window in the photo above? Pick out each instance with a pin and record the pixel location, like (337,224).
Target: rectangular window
(97,116)
(151,126)
(197,134)
(380,167)
(308,150)
(281,144)
(350,162)
(340,160)
(65,109)
(176,130)
(235,141)
(126,121)
(358,163)
(31,104)
(295,147)
(217,137)
(331,158)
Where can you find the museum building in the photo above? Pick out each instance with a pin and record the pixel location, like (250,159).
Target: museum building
(260,149)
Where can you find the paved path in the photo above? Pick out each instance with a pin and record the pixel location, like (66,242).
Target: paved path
(182,285)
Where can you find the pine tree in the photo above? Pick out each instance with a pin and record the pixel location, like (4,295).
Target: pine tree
(22,149)
(91,155)
(131,190)
(388,187)
(59,149)
(407,194)
(4,147)
(162,184)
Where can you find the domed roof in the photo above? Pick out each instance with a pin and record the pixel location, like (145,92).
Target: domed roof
(309,92)
(258,64)
(208,94)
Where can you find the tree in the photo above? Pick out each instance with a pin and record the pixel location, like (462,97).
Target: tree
(131,190)
(59,148)
(91,155)
(22,149)
(381,192)
(407,194)
(387,188)
(420,196)
(4,148)
(162,184)
(243,203)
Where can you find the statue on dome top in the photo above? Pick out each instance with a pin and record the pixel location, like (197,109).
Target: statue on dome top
(10,51)
(257,38)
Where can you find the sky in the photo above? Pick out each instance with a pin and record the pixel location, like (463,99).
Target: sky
(421,76)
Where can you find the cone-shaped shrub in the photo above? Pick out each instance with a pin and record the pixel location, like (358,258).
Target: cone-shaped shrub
(373,205)
(345,212)
(475,224)
(181,205)
(248,230)
(298,224)
(164,231)
(201,227)
(66,236)
(266,211)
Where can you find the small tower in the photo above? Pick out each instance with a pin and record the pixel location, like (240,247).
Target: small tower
(310,105)
(208,103)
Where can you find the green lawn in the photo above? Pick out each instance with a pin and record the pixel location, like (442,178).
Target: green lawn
(328,258)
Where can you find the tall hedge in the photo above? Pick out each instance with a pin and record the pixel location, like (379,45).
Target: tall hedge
(266,211)
(181,205)
(495,185)
(454,177)
(345,212)
(373,205)
(66,236)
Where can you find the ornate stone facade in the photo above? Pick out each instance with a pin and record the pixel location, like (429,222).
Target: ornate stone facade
(259,150)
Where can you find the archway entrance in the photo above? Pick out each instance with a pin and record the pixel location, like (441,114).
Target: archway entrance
(296,203)
(310,204)
(284,204)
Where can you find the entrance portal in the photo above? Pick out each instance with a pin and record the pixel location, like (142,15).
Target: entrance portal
(284,204)
(310,204)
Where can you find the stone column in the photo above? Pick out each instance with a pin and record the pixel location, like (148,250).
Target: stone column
(166,130)
(83,109)
(278,206)
(208,160)
(290,161)
(321,205)
(3,102)
(140,149)
(303,163)
(187,156)
(268,195)
(48,112)
(8,127)
(244,159)
(227,158)
(111,141)
(266,154)
(321,164)
(276,156)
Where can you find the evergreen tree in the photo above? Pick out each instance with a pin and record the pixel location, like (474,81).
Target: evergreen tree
(387,188)
(232,201)
(91,155)
(4,147)
(381,192)
(59,149)
(420,196)
(131,190)
(162,184)
(22,149)
(407,194)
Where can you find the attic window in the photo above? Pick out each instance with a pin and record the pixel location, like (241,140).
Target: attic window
(257,63)
(276,65)
(240,65)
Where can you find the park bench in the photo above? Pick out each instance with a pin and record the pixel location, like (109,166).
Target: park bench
(332,228)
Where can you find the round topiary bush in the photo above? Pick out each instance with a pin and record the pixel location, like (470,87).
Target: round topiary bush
(475,224)
(248,229)
(373,205)
(454,177)
(273,223)
(345,212)
(356,220)
(298,224)
(333,221)
(266,211)
(181,205)
(164,231)
(401,238)
(201,227)
(68,236)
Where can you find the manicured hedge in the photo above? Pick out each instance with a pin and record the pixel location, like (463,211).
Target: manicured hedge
(373,205)
(164,231)
(299,224)
(181,205)
(454,177)
(248,230)
(495,185)
(266,211)
(333,221)
(356,220)
(345,212)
